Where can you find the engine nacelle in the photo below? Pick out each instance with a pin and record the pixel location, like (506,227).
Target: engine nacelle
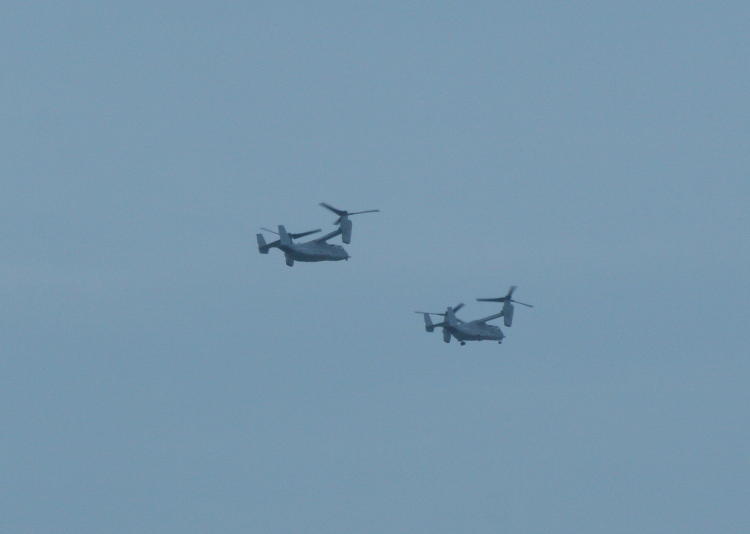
(428,326)
(346,230)
(508,314)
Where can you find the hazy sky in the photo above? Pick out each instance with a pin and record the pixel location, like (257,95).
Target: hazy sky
(158,375)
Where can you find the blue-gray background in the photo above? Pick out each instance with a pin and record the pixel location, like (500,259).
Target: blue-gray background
(159,375)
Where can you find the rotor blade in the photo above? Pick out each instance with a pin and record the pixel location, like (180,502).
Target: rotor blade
(365,211)
(523,303)
(498,299)
(329,235)
(430,313)
(338,212)
(510,292)
(303,234)
(269,230)
(456,308)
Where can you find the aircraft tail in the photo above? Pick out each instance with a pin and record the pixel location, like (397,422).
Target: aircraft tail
(284,236)
(262,245)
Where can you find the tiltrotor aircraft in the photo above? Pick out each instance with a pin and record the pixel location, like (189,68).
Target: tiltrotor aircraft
(476,330)
(316,250)
(507,300)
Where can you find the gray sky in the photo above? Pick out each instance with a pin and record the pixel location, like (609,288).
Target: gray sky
(159,375)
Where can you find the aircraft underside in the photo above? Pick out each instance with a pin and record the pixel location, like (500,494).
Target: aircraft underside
(462,336)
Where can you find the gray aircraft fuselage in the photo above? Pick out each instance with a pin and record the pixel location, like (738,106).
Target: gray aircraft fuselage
(475,331)
(472,330)
(314,251)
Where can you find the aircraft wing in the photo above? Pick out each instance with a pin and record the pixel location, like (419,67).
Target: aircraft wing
(328,236)
(489,317)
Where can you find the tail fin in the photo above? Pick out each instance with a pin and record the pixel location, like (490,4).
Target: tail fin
(262,245)
(284,236)
(428,326)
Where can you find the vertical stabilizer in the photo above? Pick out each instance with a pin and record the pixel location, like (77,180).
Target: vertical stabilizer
(262,246)
(284,237)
